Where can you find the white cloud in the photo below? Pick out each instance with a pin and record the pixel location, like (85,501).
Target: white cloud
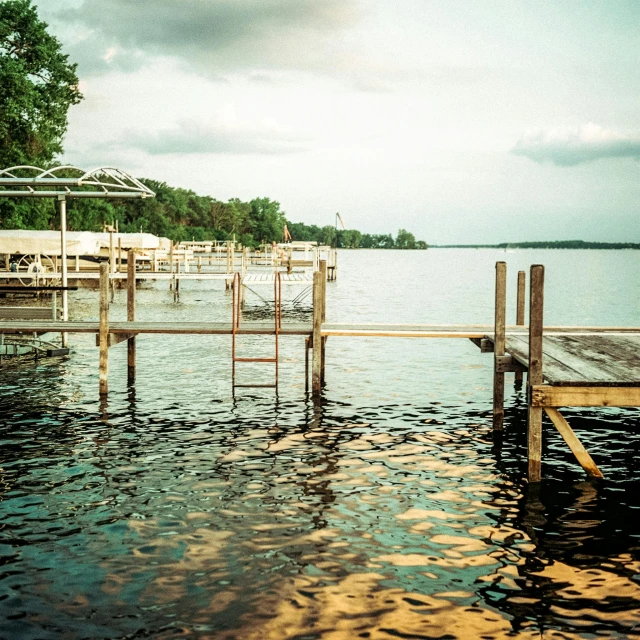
(225,134)
(569,147)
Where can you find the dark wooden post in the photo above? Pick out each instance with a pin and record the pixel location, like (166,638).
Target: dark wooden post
(104,329)
(534,417)
(499,344)
(316,366)
(520,313)
(323,272)
(131,314)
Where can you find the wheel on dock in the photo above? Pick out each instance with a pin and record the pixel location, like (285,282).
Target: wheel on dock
(33,265)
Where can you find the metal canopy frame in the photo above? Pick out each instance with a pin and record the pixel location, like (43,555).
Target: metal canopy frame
(70,182)
(64,182)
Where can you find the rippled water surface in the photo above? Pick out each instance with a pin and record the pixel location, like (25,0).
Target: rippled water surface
(384,509)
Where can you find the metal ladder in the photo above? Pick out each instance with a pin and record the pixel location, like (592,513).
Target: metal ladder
(235,326)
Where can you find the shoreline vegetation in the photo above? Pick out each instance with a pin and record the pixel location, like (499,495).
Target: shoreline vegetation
(544,244)
(182,215)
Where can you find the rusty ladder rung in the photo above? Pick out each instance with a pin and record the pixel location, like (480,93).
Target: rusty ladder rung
(247,385)
(255,360)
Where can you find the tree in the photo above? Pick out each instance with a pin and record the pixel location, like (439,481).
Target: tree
(267,221)
(37,87)
(405,240)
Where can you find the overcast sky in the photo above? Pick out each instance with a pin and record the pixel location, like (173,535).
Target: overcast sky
(460,120)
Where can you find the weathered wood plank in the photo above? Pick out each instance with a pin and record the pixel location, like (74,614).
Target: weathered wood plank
(607,360)
(554,369)
(581,454)
(534,414)
(508,364)
(546,395)
(499,344)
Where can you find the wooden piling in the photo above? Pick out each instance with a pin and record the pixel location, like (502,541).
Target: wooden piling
(499,344)
(534,414)
(520,313)
(104,329)
(316,366)
(323,278)
(306,363)
(112,265)
(131,314)
(119,254)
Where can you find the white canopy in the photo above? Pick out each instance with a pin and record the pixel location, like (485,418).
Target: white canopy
(26,242)
(79,243)
(133,240)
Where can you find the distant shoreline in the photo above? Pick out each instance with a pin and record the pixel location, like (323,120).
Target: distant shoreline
(552,244)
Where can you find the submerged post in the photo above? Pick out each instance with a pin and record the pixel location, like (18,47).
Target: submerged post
(499,345)
(104,329)
(131,314)
(520,313)
(534,414)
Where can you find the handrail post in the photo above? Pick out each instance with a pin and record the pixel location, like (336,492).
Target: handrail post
(104,329)
(534,414)
(499,344)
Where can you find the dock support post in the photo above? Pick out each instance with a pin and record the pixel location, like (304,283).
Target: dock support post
(131,314)
(316,373)
(499,345)
(323,277)
(520,314)
(63,254)
(119,254)
(306,363)
(534,414)
(104,329)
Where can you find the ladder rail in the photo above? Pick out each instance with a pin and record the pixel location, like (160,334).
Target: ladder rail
(236,311)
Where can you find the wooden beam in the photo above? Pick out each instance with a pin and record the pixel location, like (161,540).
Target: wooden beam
(114,339)
(506,364)
(545,395)
(104,328)
(581,454)
(499,344)
(534,413)
(485,344)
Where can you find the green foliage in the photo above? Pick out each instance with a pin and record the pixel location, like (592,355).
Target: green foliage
(37,87)
(405,240)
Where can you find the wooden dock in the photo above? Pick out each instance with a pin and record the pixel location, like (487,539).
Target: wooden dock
(566,366)
(583,367)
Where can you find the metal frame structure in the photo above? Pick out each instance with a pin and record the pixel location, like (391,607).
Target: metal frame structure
(64,182)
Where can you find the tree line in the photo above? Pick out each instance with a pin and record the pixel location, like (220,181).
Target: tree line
(182,215)
(545,244)
(38,85)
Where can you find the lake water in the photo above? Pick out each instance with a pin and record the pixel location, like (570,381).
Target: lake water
(384,509)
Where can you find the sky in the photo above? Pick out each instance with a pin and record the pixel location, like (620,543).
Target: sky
(463,121)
